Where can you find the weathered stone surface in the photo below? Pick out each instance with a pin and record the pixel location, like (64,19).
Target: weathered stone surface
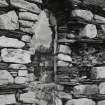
(5,77)
(64,57)
(28,98)
(7,99)
(63,95)
(58,101)
(26,38)
(89,31)
(3,3)
(25,5)
(64,49)
(17,66)
(11,42)
(26,24)
(28,16)
(42,33)
(85,89)
(99,19)
(9,21)
(62,63)
(20,80)
(31,77)
(85,14)
(98,72)
(22,73)
(101,102)
(81,101)
(15,55)
(102,88)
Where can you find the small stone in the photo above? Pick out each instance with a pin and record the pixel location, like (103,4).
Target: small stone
(62,63)
(9,21)
(64,57)
(99,19)
(20,80)
(17,66)
(26,24)
(26,38)
(22,73)
(25,5)
(27,30)
(5,77)
(28,98)
(81,101)
(63,95)
(85,14)
(60,87)
(89,31)
(64,49)
(101,102)
(28,16)
(98,72)
(31,77)
(16,56)
(3,3)
(102,88)
(11,42)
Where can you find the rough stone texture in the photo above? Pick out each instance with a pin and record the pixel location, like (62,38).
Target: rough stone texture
(22,73)
(7,99)
(9,21)
(26,24)
(102,88)
(5,77)
(63,95)
(31,77)
(81,101)
(25,5)
(103,28)
(27,30)
(99,19)
(15,55)
(11,42)
(3,3)
(28,16)
(35,1)
(89,31)
(84,14)
(85,89)
(63,57)
(20,80)
(26,38)
(17,66)
(101,102)
(98,72)
(64,49)
(58,101)
(42,33)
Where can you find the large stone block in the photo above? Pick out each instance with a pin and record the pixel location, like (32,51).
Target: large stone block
(3,3)
(17,66)
(81,101)
(16,56)
(11,42)
(102,88)
(9,21)
(42,33)
(5,77)
(85,14)
(89,31)
(101,102)
(28,16)
(25,5)
(20,80)
(7,99)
